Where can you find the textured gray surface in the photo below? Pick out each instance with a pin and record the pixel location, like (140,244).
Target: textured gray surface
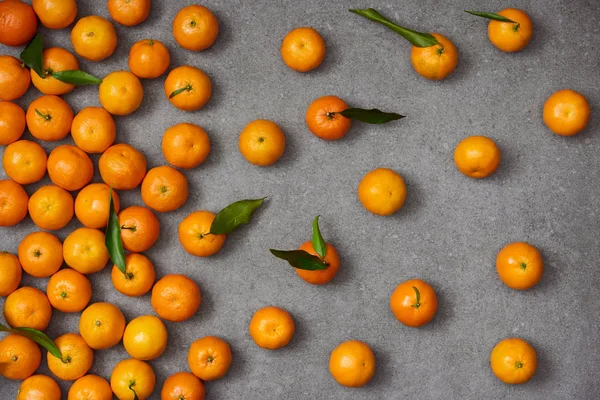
(448,232)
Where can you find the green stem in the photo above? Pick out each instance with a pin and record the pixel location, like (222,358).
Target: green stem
(418,303)
(186,88)
(47,117)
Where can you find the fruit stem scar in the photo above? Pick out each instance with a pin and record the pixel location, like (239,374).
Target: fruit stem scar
(418,303)
(330,114)
(261,139)
(15,358)
(66,360)
(37,253)
(150,42)
(98,323)
(129,228)
(440,50)
(516,27)
(47,117)
(202,235)
(128,276)
(209,359)
(519,364)
(193,23)
(63,295)
(523,266)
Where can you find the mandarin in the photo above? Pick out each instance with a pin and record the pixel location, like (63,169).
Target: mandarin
(69,167)
(138,278)
(414,303)
(175,297)
(320,277)
(195,237)
(49,118)
(164,189)
(140,228)
(511,36)
(12,122)
(382,191)
(10,273)
(25,161)
(352,363)
(54,59)
(324,120)
(272,328)
(477,156)
(39,387)
(102,325)
(185,145)
(149,59)
(27,307)
(513,361)
(122,167)
(303,49)
(519,265)
(40,254)
(93,130)
(262,142)
(145,337)
(94,38)
(18,23)
(129,12)
(195,28)
(69,291)
(92,205)
(183,386)
(435,62)
(121,93)
(55,14)
(188,88)
(51,207)
(90,387)
(77,357)
(14,77)
(566,112)
(20,357)
(209,358)
(84,250)
(132,379)
(13,203)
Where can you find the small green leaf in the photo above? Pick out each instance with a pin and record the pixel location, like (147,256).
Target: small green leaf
(418,39)
(37,336)
(113,241)
(372,116)
(76,77)
(317,240)
(32,55)
(300,259)
(489,15)
(180,90)
(234,215)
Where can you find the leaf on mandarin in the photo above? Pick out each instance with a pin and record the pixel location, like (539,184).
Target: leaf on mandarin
(112,240)
(234,215)
(300,259)
(318,242)
(489,15)
(76,77)
(37,336)
(372,116)
(32,55)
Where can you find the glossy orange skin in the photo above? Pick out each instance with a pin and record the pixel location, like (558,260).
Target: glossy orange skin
(320,277)
(435,62)
(129,12)
(25,161)
(122,167)
(92,205)
(272,328)
(54,124)
(519,265)
(18,23)
(195,28)
(121,93)
(176,297)
(323,118)
(303,49)
(55,14)
(12,122)
(51,207)
(14,77)
(149,59)
(40,254)
(164,189)
(90,387)
(84,250)
(194,234)
(94,38)
(10,273)
(566,112)
(69,167)
(69,290)
(209,358)
(13,203)
(77,357)
(140,228)
(198,84)
(507,36)
(93,130)
(477,156)
(382,191)
(102,325)
(513,361)
(39,387)
(27,307)
(183,386)
(403,303)
(185,145)
(262,142)
(54,59)
(145,337)
(352,363)
(134,373)
(140,275)
(19,357)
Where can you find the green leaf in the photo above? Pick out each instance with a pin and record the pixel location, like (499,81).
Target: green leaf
(300,259)
(234,215)
(112,240)
(418,39)
(372,116)
(489,15)
(32,55)
(37,336)
(76,77)
(180,90)
(317,240)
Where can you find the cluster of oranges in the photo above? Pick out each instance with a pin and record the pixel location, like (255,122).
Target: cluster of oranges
(174,297)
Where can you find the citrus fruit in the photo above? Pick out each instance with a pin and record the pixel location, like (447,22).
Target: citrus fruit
(262,142)
(55,14)
(12,122)
(24,161)
(477,156)
(145,337)
(10,273)
(209,358)
(13,203)
(435,62)
(175,297)
(352,363)
(90,387)
(92,205)
(131,379)
(519,265)
(69,290)
(121,93)
(320,277)
(49,118)
(414,303)
(54,59)
(149,59)
(27,307)
(272,328)
(188,88)
(39,387)
(84,250)
(94,38)
(195,28)
(183,386)
(70,167)
(14,76)
(122,167)
(18,23)
(40,254)
(324,120)
(77,357)
(139,277)
(508,36)
(140,228)
(93,130)
(164,189)
(51,207)
(194,234)
(185,145)
(303,49)
(129,12)
(19,357)
(102,325)
(566,112)
(513,361)
(382,191)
